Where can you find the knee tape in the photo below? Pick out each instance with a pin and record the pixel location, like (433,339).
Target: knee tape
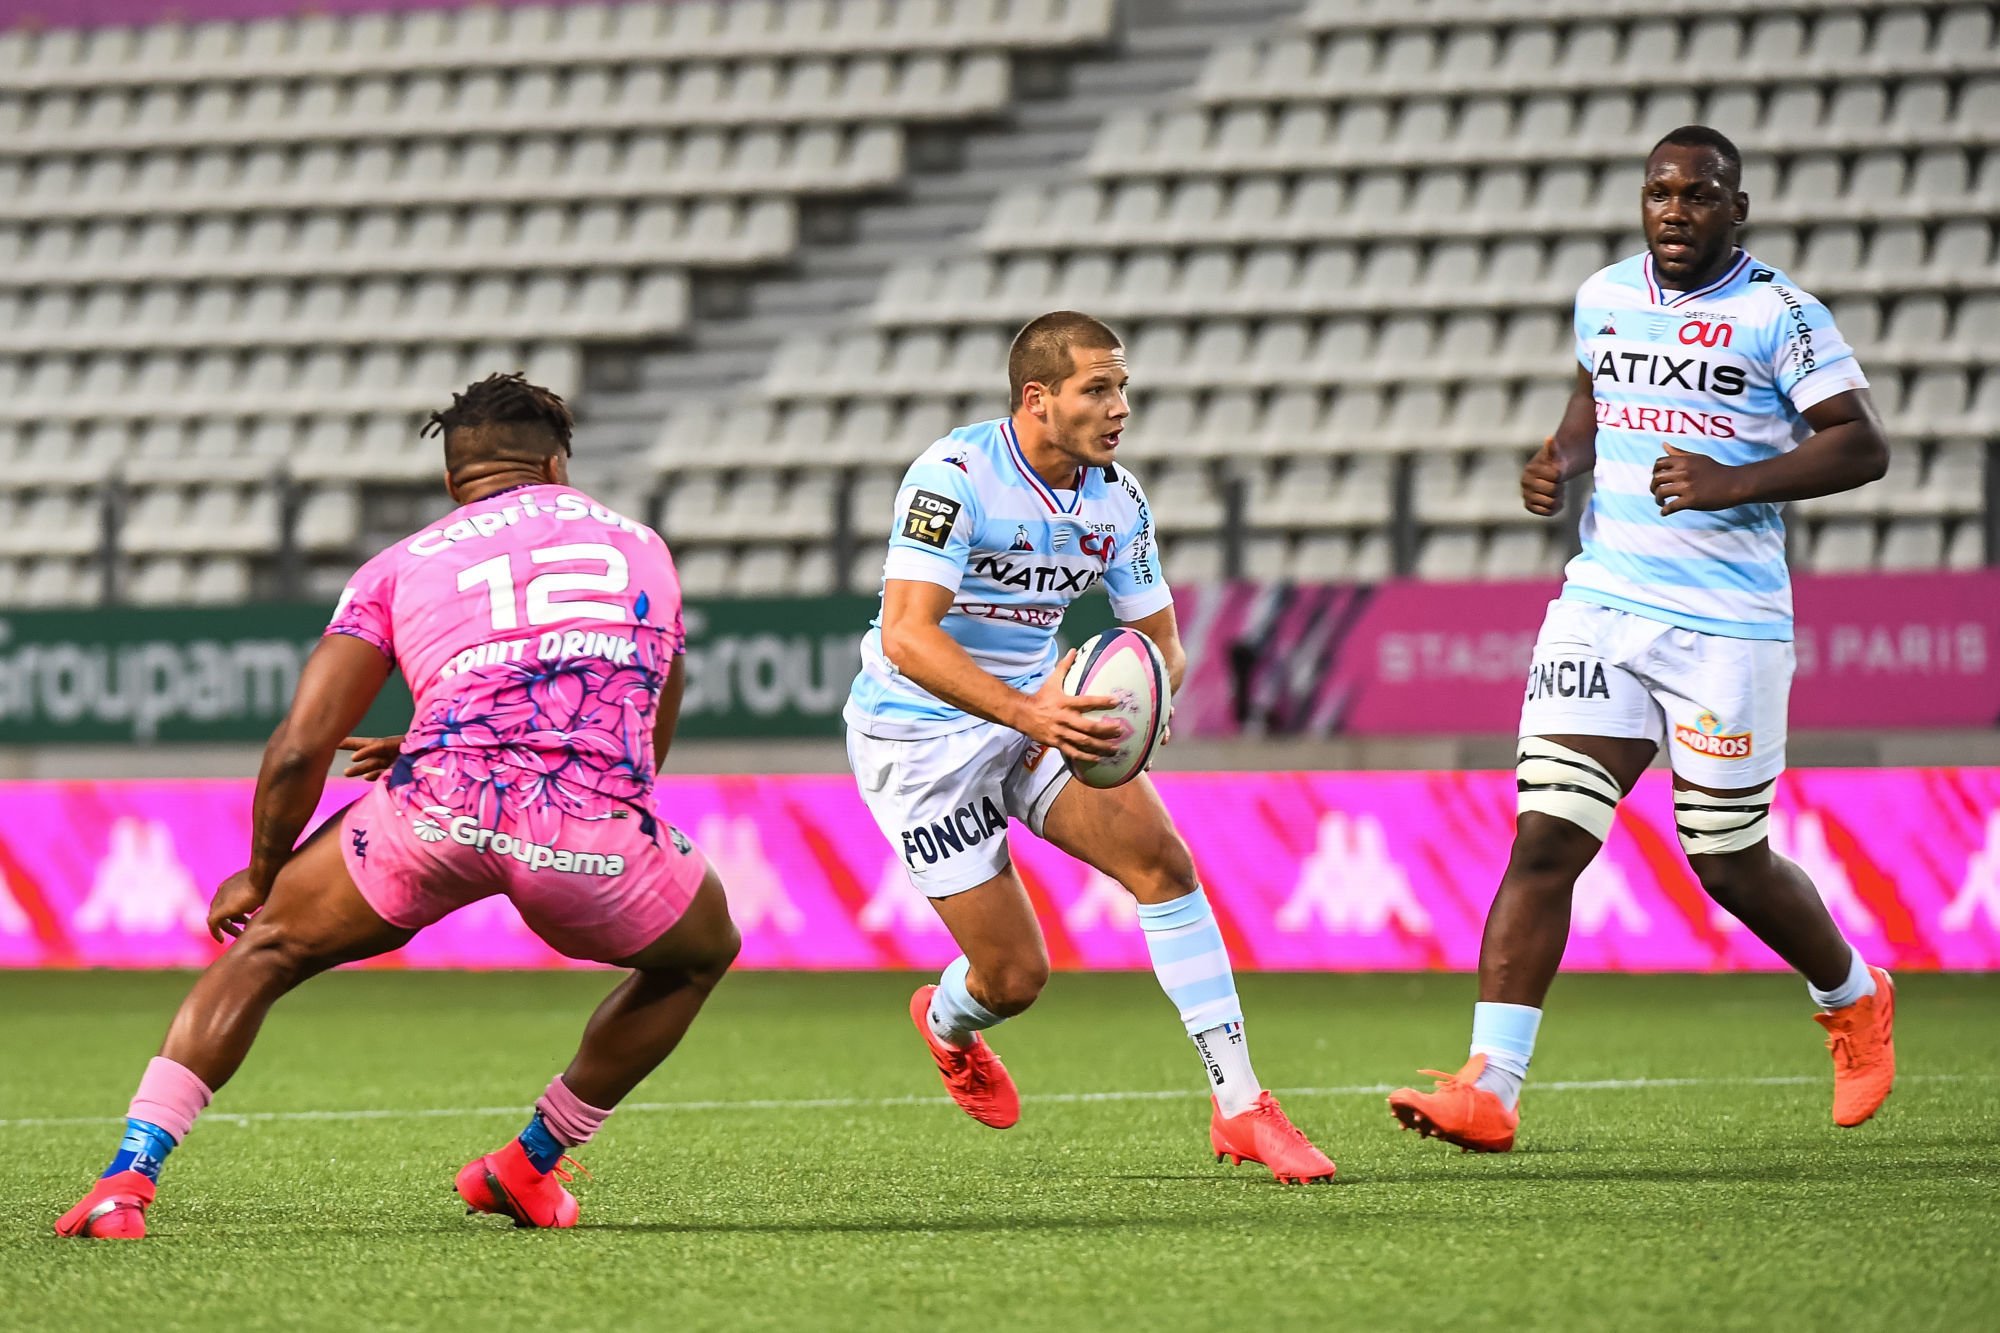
(1712,825)
(1558,781)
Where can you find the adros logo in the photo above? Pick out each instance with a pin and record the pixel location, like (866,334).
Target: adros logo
(1705,333)
(1706,737)
(467,832)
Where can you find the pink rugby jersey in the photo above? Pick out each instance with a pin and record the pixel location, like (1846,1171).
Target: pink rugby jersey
(535,628)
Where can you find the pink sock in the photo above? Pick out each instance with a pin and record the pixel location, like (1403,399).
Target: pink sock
(569,1117)
(169,1096)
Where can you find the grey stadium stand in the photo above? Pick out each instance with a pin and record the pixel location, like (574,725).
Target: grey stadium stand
(774,247)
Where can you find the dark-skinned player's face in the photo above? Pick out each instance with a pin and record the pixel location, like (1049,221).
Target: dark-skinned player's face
(1691,208)
(1086,413)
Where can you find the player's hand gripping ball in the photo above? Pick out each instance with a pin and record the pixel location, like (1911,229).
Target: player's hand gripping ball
(1125,665)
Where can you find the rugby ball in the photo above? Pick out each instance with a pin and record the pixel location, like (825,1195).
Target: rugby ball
(1127,666)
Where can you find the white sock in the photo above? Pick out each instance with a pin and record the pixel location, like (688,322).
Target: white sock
(1192,965)
(1227,1056)
(1860,982)
(1505,1035)
(954,1015)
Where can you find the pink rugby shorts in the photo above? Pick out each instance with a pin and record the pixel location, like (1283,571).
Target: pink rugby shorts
(595,878)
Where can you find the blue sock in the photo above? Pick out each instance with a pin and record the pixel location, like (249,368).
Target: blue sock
(1505,1035)
(143,1149)
(1192,965)
(1189,959)
(954,1014)
(544,1149)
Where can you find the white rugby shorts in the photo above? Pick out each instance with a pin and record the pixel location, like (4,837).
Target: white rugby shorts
(944,801)
(1717,704)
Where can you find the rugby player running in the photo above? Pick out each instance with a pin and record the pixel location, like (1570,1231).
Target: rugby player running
(541,636)
(958,720)
(1710,391)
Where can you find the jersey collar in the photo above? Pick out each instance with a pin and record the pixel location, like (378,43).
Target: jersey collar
(1034,478)
(1659,296)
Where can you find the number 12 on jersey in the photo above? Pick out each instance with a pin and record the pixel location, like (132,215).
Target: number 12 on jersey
(497,575)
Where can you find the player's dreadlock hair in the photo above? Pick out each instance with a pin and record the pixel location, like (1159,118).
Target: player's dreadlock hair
(503,418)
(1701,136)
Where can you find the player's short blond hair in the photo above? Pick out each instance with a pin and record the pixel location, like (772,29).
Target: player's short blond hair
(1044,351)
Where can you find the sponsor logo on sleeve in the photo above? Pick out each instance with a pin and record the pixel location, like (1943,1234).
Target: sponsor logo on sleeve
(1708,736)
(929,518)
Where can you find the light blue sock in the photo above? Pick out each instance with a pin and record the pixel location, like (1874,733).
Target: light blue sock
(1860,982)
(1505,1035)
(954,1014)
(1192,964)
(143,1149)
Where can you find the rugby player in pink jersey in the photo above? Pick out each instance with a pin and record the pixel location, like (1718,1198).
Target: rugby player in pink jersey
(541,636)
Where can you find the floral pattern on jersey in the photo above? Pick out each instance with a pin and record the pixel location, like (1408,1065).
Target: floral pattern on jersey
(538,736)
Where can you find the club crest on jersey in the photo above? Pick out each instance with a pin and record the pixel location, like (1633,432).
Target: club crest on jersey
(1707,736)
(929,519)
(1021,539)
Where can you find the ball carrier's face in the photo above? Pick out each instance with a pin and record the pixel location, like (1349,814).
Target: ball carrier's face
(1077,422)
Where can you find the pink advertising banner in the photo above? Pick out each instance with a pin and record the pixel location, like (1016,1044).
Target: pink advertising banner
(1349,871)
(1409,658)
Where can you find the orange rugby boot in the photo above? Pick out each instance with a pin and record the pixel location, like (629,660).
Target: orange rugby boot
(115,1209)
(1862,1037)
(505,1182)
(974,1077)
(1457,1111)
(1265,1135)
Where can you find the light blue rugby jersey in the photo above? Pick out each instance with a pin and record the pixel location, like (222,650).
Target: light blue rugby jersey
(973,517)
(1723,371)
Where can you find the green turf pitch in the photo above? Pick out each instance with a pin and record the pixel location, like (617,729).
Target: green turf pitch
(793,1168)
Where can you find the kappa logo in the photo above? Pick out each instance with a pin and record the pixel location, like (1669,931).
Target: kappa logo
(1801,837)
(428,829)
(1979,892)
(898,905)
(757,897)
(929,518)
(1351,884)
(1708,737)
(142,887)
(1104,904)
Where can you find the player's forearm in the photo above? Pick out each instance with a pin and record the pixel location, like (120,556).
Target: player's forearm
(1830,461)
(933,659)
(289,785)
